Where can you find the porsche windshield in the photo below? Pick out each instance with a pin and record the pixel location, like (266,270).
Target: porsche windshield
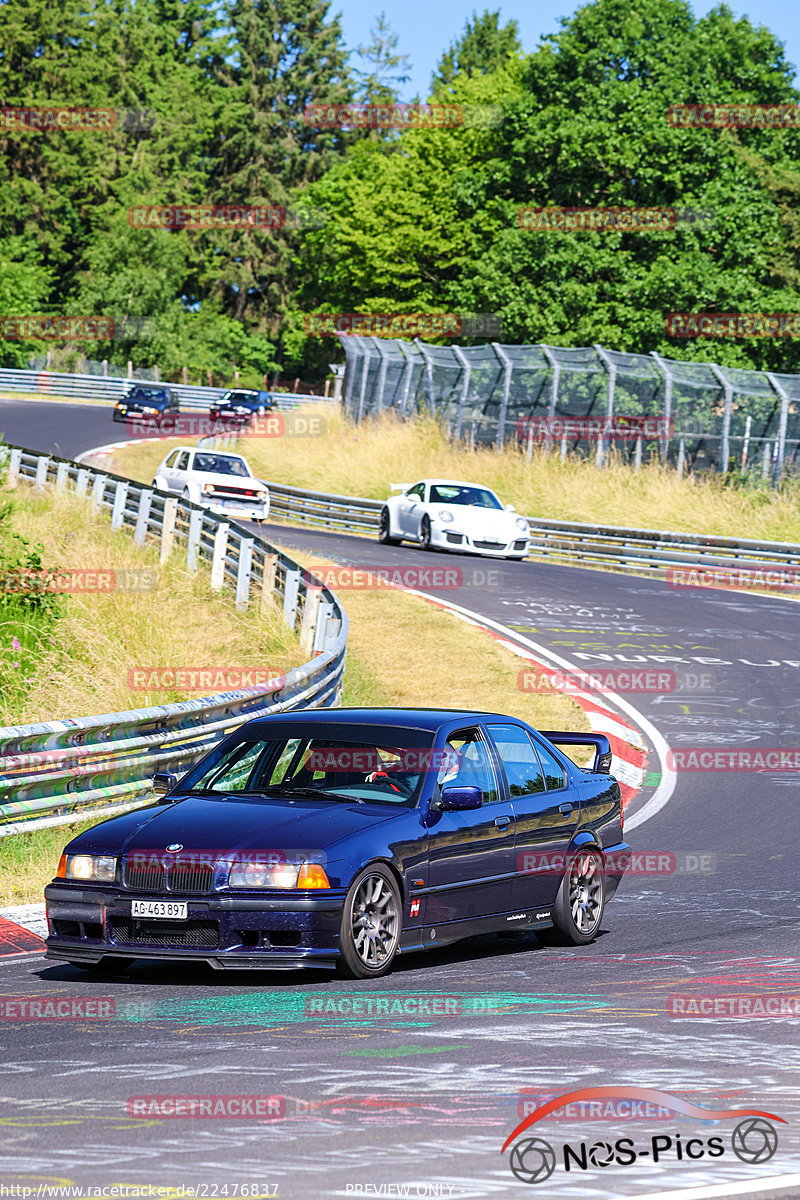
(221,464)
(447,493)
(388,768)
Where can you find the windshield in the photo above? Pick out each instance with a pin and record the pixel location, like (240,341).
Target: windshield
(386,769)
(221,464)
(240,399)
(455,493)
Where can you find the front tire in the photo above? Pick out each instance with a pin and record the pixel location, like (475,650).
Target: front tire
(581,900)
(425,533)
(371,921)
(385,530)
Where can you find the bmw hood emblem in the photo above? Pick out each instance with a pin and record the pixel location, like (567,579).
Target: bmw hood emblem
(174,847)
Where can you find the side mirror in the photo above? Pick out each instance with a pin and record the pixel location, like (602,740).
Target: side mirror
(458,799)
(510,508)
(163,783)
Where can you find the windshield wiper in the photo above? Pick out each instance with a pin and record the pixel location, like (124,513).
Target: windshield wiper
(311,793)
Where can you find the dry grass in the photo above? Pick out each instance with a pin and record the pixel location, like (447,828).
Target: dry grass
(430,658)
(28,862)
(102,636)
(403,650)
(364,460)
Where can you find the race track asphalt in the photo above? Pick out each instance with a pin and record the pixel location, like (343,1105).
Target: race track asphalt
(372,1104)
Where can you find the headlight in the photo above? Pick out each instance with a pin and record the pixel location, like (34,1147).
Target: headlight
(90,868)
(521,523)
(150,411)
(445,515)
(208,487)
(261,495)
(277,875)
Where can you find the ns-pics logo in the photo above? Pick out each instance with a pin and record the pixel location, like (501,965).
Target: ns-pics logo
(754,1139)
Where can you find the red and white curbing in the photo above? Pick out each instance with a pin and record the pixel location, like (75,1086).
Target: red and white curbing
(22,930)
(623,724)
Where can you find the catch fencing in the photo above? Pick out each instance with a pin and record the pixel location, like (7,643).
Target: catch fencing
(57,772)
(693,415)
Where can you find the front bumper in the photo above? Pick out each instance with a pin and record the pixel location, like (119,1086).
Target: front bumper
(453,539)
(248,512)
(236,932)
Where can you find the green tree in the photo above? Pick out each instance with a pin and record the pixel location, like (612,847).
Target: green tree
(484,46)
(386,69)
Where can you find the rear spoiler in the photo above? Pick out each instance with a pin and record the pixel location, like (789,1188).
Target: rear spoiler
(602,759)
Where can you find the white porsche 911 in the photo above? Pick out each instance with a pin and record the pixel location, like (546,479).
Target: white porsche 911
(221,482)
(448,514)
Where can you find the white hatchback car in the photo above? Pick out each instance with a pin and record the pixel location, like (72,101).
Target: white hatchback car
(221,482)
(449,514)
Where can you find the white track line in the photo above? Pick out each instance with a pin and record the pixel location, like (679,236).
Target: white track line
(666,787)
(752,1187)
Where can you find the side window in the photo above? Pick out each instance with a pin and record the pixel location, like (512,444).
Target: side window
(418,491)
(173,458)
(521,765)
(554,773)
(183,462)
(469,765)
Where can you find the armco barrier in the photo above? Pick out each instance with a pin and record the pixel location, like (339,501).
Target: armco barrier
(113,388)
(643,550)
(56,772)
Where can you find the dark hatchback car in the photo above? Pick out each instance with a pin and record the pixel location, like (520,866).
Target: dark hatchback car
(239,406)
(348,835)
(148,402)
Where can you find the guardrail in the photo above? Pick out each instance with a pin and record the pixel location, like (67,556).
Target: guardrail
(56,772)
(643,550)
(113,388)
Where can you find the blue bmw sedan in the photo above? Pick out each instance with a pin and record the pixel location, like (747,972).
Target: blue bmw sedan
(348,836)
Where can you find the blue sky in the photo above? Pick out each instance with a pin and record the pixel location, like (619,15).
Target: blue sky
(427,27)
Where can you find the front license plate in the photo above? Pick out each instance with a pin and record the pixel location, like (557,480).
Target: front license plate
(167,910)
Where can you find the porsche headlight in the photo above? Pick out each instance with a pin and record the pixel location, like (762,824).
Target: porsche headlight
(445,515)
(521,523)
(90,868)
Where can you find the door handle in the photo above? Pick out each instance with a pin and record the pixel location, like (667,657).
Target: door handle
(502,822)
(566,809)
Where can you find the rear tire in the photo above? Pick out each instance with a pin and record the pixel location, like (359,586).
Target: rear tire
(372,918)
(580,903)
(384,529)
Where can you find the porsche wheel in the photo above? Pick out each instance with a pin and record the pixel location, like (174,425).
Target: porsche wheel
(425,533)
(579,905)
(371,922)
(385,530)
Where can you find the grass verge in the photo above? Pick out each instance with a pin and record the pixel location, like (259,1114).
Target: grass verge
(364,460)
(401,651)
